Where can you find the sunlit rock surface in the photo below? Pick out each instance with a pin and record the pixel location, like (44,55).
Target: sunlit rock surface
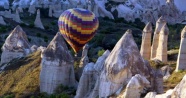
(16,45)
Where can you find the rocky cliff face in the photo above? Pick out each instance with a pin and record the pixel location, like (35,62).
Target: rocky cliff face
(57,66)
(15,46)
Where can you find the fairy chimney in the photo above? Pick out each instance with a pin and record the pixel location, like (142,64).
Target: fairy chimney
(181,60)
(32,9)
(2,22)
(89,5)
(37,21)
(57,66)
(84,61)
(146,42)
(16,45)
(7,14)
(123,62)
(159,24)
(50,10)
(17,17)
(20,9)
(162,45)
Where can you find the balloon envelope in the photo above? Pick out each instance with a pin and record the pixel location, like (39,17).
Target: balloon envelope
(78,26)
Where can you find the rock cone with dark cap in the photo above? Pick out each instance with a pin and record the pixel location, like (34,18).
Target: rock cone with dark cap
(145,50)
(37,21)
(159,24)
(181,61)
(2,22)
(15,46)
(123,62)
(161,52)
(57,66)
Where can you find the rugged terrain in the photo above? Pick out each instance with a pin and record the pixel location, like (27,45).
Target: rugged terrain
(21,77)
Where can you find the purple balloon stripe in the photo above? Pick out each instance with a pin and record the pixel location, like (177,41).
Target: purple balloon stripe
(83,27)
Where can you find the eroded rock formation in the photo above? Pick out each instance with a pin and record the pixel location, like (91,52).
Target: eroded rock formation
(32,9)
(57,66)
(2,22)
(17,17)
(16,45)
(181,60)
(37,21)
(145,50)
(159,24)
(162,44)
(123,62)
(89,82)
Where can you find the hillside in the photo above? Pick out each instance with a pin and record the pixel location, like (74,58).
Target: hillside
(21,76)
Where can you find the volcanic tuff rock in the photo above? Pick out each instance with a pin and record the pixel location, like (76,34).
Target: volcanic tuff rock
(20,9)
(57,66)
(7,14)
(161,52)
(51,7)
(41,48)
(16,45)
(32,9)
(181,60)
(123,62)
(145,50)
(34,48)
(170,12)
(157,79)
(84,61)
(135,87)
(159,24)
(16,17)
(166,71)
(145,10)
(177,92)
(37,21)
(155,95)
(89,82)
(2,22)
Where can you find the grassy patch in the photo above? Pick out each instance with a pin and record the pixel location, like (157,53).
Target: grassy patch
(173,52)
(174,79)
(155,64)
(24,79)
(100,52)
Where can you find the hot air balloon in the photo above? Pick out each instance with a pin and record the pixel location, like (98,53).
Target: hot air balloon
(78,26)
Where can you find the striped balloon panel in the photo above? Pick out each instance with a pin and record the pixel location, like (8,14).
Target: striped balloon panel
(78,26)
